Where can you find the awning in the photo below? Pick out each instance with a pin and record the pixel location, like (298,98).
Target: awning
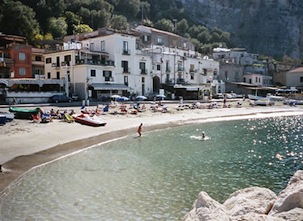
(187,87)
(104,86)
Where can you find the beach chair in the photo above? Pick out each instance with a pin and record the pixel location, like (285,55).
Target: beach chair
(36,118)
(68,118)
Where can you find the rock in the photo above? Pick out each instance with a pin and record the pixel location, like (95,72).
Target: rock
(291,215)
(250,200)
(256,217)
(206,209)
(253,204)
(291,197)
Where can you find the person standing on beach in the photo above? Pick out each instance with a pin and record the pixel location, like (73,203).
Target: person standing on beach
(139,130)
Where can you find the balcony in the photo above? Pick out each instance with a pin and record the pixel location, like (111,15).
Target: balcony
(180,81)
(125,52)
(180,69)
(95,62)
(126,70)
(55,65)
(109,79)
(167,70)
(144,71)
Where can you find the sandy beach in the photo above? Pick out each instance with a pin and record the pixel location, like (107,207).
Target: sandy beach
(25,144)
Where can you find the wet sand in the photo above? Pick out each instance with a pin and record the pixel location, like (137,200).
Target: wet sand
(25,144)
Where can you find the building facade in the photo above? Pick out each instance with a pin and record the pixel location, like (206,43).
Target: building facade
(105,62)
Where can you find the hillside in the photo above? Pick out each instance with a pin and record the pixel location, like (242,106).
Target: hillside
(271,27)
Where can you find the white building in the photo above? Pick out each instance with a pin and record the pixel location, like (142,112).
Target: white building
(105,62)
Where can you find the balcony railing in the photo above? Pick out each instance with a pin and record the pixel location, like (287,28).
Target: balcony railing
(126,52)
(167,69)
(144,71)
(180,69)
(126,70)
(180,80)
(95,62)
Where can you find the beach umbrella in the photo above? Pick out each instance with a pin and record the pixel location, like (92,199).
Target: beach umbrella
(141,97)
(123,98)
(115,96)
(162,96)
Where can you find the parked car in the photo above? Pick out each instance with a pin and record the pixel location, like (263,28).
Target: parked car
(75,97)
(59,98)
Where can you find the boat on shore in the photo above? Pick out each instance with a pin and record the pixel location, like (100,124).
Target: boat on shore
(24,113)
(9,116)
(86,119)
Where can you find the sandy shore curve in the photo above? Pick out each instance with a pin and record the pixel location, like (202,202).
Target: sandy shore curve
(25,144)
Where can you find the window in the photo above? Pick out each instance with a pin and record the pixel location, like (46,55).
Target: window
(58,62)
(92,46)
(167,66)
(158,67)
(159,40)
(107,75)
(126,80)
(192,76)
(125,47)
(102,45)
(58,75)
(143,79)
(124,65)
(48,60)
(67,59)
(142,67)
(301,79)
(22,71)
(38,58)
(226,75)
(93,73)
(48,75)
(22,56)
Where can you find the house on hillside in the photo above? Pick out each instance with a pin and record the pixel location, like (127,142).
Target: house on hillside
(294,78)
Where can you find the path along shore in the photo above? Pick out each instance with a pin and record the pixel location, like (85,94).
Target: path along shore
(25,144)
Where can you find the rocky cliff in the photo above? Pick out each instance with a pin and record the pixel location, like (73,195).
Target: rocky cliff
(268,27)
(255,203)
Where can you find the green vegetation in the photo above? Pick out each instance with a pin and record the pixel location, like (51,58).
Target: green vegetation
(43,20)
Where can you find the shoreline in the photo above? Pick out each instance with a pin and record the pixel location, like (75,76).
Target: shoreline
(30,147)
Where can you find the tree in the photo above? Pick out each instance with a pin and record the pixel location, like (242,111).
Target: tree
(72,20)
(18,19)
(57,26)
(128,8)
(182,27)
(165,24)
(119,22)
(82,28)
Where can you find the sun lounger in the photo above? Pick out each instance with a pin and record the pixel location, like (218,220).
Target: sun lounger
(69,118)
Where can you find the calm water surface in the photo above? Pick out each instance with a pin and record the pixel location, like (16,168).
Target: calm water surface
(158,176)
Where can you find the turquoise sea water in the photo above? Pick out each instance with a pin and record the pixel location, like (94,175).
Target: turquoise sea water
(158,176)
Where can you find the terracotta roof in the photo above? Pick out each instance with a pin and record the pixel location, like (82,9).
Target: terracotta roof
(300,69)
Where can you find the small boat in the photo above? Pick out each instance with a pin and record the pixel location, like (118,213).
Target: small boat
(9,116)
(264,102)
(23,113)
(88,120)
(2,120)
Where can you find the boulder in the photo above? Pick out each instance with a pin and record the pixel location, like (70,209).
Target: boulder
(206,209)
(291,197)
(250,200)
(291,215)
(253,204)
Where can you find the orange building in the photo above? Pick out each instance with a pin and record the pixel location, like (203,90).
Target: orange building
(15,57)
